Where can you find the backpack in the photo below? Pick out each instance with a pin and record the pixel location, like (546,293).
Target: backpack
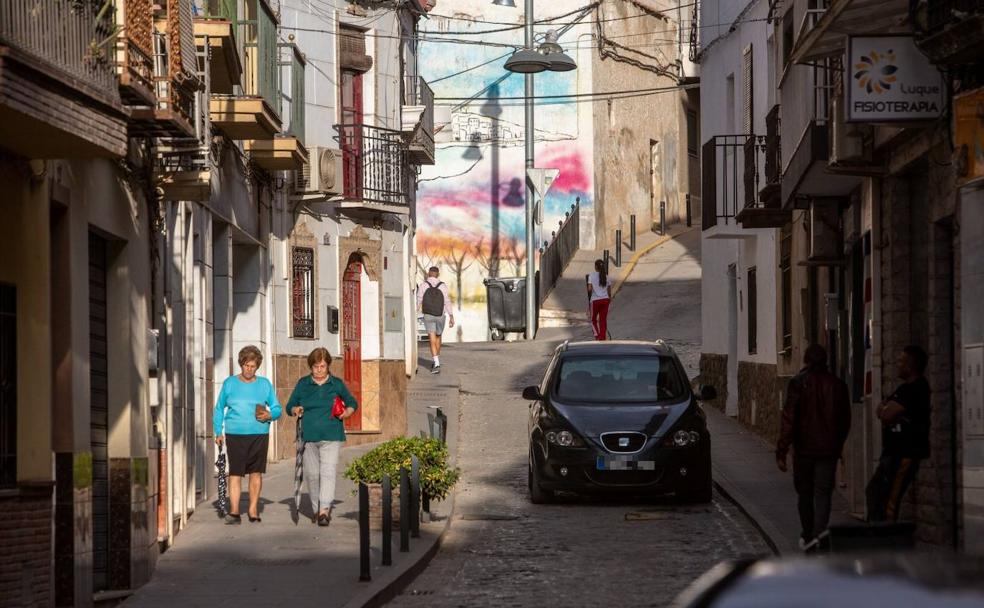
(433,301)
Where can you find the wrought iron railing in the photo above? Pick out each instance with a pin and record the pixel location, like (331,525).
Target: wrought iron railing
(823,90)
(170,96)
(75,37)
(419,93)
(262,74)
(557,253)
(730,180)
(302,292)
(375,165)
(135,51)
(942,13)
(293,100)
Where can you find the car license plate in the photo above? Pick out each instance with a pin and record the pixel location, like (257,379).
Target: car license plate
(624,463)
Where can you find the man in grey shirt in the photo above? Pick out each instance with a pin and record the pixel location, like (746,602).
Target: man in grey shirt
(433,300)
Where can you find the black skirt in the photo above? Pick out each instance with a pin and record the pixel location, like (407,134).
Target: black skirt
(247,453)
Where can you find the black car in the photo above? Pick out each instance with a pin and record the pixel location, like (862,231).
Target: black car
(618,416)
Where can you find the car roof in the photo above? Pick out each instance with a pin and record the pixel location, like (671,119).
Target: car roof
(617,347)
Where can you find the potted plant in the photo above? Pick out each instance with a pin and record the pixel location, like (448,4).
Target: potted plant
(437,477)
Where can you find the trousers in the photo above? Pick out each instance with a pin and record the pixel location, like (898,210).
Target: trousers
(888,485)
(599,318)
(320,464)
(814,481)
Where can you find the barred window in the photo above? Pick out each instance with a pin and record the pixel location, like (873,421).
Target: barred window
(302,301)
(8,386)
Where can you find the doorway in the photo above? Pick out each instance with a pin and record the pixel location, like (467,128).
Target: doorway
(731,404)
(352,336)
(99,411)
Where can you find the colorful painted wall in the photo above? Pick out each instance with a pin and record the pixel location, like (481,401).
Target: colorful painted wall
(470,203)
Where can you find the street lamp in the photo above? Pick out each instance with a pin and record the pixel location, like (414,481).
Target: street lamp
(549,56)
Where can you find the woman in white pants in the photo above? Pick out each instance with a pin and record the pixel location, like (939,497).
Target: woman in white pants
(323,431)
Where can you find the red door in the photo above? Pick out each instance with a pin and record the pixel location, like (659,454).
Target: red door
(351,135)
(352,338)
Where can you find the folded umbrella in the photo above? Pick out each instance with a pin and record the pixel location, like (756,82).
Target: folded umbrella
(220,463)
(298,474)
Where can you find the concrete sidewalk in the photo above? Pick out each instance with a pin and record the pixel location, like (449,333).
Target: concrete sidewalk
(276,562)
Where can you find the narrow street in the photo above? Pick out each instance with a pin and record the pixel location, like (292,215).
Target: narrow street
(503,551)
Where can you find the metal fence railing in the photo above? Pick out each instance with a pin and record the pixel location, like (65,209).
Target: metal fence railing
(730,181)
(261,74)
(375,165)
(73,37)
(557,252)
(292,99)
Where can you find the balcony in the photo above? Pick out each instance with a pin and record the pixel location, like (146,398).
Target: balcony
(184,173)
(763,203)
(418,120)
(217,38)
(955,31)
(59,95)
(255,112)
(375,168)
(824,32)
(135,52)
(729,183)
(286,151)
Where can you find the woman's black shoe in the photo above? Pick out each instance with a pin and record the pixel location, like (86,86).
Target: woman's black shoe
(324,519)
(233,519)
(254,519)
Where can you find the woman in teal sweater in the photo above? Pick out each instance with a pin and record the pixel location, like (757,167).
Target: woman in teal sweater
(323,434)
(246,405)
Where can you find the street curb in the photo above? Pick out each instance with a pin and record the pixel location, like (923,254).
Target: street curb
(758,519)
(630,266)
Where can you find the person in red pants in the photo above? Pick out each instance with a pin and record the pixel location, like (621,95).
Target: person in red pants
(600,296)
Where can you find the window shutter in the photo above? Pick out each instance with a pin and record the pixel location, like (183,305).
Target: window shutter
(352,49)
(189,59)
(747,92)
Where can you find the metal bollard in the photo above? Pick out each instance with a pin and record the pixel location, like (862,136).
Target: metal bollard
(415,497)
(365,573)
(606,260)
(632,233)
(618,248)
(387,521)
(662,218)
(404,510)
(688,210)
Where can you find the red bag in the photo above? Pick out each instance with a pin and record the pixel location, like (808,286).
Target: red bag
(338,408)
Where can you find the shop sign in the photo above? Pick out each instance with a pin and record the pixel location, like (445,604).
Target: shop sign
(889,80)
(968,113)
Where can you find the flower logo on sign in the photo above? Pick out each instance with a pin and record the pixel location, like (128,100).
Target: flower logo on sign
(876,72)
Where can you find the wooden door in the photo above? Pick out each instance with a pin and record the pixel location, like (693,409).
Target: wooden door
(352,338)
(351,135)
(99,412)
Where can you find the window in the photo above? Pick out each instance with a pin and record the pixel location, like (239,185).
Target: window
(354,63)
(747,92)
(730,99)
(624,379)
(752,313)
(788,37)
(302,301)
(693,136)
(8,385)
(786,276)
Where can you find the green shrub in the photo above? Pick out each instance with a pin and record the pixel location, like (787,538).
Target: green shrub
(436,476)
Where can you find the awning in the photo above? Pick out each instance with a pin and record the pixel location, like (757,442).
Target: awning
(851,18)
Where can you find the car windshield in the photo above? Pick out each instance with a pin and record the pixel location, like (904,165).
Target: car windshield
(619,379)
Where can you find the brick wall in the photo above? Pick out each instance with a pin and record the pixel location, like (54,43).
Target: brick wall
(25,547)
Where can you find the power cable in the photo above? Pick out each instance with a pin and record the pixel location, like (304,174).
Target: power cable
(601,94)
(474,67)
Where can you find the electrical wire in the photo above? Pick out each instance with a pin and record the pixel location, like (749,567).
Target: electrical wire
(600,94)
(474,67)
(550,20)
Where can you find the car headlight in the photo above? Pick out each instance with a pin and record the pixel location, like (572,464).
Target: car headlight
(564,439)
(682,438)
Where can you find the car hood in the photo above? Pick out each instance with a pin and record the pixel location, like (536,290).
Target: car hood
(591,420)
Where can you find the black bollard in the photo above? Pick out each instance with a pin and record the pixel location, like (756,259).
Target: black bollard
(632,233)
(607,256)
(364,567)
(404,510)
(618,248)
(387,521)
(415,497)
(688,210)
(662,218)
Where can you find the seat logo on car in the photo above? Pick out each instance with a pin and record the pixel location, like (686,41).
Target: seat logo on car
(623,442)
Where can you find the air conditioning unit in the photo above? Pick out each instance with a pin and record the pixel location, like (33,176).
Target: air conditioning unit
(847,140)
(323,174)
(825,232)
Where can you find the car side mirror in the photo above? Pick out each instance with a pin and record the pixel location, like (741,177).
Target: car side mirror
(707,393)
(532,393)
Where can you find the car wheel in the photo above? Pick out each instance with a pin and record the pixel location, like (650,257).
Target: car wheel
(702,490)
(538,495)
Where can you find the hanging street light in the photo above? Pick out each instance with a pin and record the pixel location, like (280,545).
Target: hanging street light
(509,3)
(527,61)
(558,60)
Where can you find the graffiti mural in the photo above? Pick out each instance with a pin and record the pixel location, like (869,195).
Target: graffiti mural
(471,202)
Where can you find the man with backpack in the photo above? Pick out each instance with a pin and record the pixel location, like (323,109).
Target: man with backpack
(434,302)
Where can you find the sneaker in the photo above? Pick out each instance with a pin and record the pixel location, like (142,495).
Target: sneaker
(436,369)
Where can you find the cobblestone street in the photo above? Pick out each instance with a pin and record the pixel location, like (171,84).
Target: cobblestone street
(503,551)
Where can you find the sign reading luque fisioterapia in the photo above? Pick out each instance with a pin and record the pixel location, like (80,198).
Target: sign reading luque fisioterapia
(889,80)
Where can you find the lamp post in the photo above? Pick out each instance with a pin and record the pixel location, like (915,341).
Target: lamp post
(530,61)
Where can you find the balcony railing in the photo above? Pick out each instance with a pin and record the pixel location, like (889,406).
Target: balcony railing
(730,176)
(375,166)
(170,95)
(419,93)
(823,90)
(135,52)
(773,147)
(262,73)
(71,37)
(943,13)
(293,100)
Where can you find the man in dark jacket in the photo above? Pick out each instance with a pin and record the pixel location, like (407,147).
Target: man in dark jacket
(815,421)
(905,437)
